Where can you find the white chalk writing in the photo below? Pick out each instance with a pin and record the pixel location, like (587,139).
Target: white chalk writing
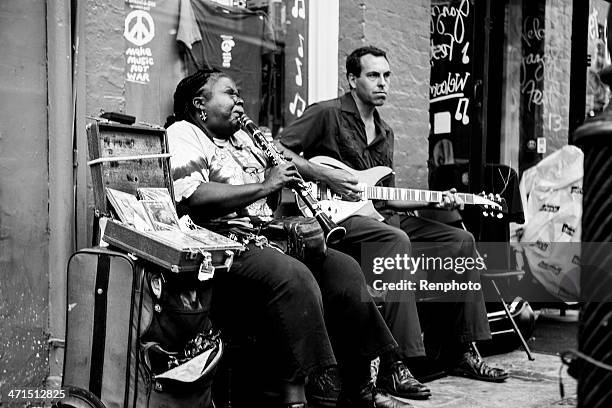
(533,30)
(301,46)
(139,27)
(447,24)
(299,9)
(454,83)
(227,44)
(142,4)
(139,62)
(461,114)
(297,106)
(298,76)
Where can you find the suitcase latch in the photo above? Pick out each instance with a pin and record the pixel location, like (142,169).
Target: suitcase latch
(193,253)
(207,270)
(229,259)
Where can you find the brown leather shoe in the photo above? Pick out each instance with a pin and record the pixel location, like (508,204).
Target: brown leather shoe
(400,382)
(472,366)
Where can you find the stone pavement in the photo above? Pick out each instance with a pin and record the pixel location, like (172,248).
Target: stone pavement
(532,384)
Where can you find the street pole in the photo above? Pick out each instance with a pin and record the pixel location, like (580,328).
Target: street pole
(61,194)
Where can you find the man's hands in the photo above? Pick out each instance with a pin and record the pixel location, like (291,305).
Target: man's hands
(343,183)
(280,176)
(450,201)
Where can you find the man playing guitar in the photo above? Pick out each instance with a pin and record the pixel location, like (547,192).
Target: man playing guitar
(349,129)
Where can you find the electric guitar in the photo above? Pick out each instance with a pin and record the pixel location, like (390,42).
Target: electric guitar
(339,209)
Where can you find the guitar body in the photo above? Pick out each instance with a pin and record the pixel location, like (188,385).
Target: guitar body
(339,210)
(370,177)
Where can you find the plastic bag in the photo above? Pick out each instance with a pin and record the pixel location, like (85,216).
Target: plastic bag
(551,193)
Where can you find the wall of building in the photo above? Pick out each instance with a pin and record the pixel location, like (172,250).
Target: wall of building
(24,178)
(402,29)
(103,90)
(380,22)
(105,62)
(557,52)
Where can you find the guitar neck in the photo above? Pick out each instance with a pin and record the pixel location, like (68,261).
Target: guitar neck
(410,194)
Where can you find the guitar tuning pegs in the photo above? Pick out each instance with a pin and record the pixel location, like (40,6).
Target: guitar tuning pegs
(500,215)
(485,214)
(497,197)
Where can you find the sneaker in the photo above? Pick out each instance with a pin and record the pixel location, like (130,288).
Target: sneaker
(473,366)
(399,382)
(323,388)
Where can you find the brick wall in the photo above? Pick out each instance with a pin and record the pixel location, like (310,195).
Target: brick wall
(557,51)
(402,29)
(105,62)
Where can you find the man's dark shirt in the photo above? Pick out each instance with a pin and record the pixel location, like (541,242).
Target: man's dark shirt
(334,128)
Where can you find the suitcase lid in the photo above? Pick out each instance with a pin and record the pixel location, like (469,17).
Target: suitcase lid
(126,157)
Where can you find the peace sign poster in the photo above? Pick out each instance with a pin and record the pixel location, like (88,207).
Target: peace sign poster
(152,62)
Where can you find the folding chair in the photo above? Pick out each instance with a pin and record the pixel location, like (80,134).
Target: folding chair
(498,179)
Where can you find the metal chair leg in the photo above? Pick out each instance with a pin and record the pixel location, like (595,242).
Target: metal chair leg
(514,326)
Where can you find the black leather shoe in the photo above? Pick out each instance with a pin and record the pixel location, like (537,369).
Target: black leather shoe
(399,382)
(363,398)
(472,366)
(384,400)
(323,388)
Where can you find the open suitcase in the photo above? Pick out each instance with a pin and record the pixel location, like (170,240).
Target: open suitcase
(138,332)
(127,158)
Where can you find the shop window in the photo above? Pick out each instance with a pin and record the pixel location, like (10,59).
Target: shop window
(508,88)
(537,96)
(262,45)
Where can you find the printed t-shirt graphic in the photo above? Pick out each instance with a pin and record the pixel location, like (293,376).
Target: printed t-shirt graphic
(228,38)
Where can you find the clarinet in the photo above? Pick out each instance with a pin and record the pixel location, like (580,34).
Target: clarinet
(333,233)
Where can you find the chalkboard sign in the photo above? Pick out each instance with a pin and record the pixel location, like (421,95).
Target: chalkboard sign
(451,91)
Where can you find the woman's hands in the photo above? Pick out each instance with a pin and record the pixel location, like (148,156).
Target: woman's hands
(280,176)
